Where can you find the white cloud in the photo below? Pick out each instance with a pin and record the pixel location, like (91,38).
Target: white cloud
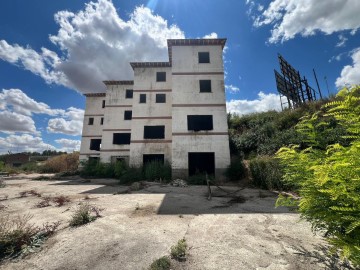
(71,123)
(23,104)
(43,64)
(16,109)
(264,102)
(15,122)
(96,45)
(212,35)
(342,41)
(350,73)
(69,145)
(292,17)
(23,143)
(231,88)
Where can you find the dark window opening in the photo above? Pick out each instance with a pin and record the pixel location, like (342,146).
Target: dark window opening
(161,76)
(201,163)
(160,98)
(142,98)
(127,115)
(153,157)
(103,103)
(129,93)
(200,122)
(204,57)
(95,144)
(91,121)
(94,160)
(121,138)
(154,132)
(205,86)
(102,121)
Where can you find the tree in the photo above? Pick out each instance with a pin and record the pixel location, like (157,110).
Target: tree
(328,180)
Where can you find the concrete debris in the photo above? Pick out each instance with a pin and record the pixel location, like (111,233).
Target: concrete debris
(179,183)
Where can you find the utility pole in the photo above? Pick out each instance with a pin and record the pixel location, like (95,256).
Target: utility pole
(317,84)
(327,86)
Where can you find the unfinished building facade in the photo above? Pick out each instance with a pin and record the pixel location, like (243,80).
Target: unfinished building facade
(172,111)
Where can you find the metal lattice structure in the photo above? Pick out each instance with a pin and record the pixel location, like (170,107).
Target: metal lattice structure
(294,90)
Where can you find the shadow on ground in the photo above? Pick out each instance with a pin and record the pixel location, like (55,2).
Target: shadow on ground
(193,199)
(321,254)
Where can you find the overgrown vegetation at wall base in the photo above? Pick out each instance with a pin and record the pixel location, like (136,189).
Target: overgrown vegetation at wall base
(267,174)
(328,176)
(236,170)
(152,171)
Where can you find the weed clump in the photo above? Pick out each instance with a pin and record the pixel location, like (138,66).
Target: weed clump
(18,236)
(31,192)
(45,202)
(61,200)
(162,263)
(2,183)
(178,251)
(84,214)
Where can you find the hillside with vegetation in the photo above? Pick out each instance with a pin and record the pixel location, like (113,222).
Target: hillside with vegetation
(314,152)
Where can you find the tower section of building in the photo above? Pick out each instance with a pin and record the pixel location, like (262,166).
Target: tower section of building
(200,141)
(116,132)
(151,122)
(92,126)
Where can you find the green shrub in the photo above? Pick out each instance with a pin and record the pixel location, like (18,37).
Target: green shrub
(132,174)
(15,233)
(197,179)
(2,183)
(236,170)
(157,170)
(163,263)
(120,168)
(84,214)
(2,166)
(266,173)
(329,179)
(60,163)
(29,167)
(178,251)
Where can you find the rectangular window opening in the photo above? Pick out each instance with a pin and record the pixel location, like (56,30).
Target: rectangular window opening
(201,163)
(127,115)
(121,138)
(205,86)
(154,132)
(95,144)
(129,93)
(161,76)
(160,98)
(103,104)
(147,158)
(142,98)
(102,121)
(91,121)
(204,57)
(200,122)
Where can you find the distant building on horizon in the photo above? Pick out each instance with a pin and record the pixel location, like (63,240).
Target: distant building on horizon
(172,111)
(16,160)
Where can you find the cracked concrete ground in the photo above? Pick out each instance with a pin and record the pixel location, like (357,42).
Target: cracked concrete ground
(139,227)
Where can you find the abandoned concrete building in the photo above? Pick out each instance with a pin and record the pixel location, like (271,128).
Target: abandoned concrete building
(172,111)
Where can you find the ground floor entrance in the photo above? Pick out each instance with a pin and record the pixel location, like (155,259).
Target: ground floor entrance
(201,162)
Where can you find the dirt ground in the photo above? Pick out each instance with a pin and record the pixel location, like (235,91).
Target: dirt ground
(141,226)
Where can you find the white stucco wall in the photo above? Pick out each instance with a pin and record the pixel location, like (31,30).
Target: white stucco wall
(183,97)
(93,109)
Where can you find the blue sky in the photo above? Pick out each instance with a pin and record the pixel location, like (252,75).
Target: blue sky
(51,52)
